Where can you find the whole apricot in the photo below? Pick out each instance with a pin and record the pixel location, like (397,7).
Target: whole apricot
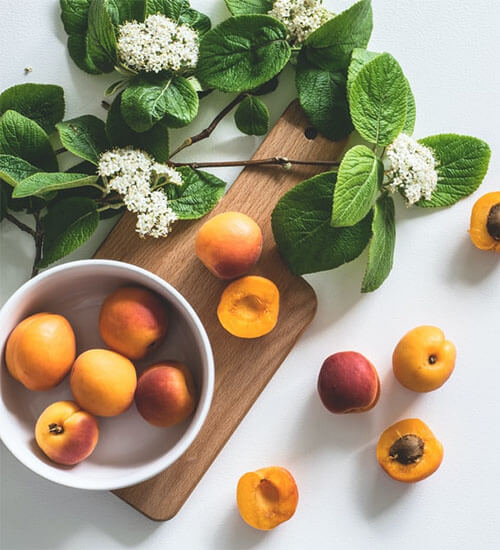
(229,244)
(165,394)
(348,382)
(133,321)
(423,359)
(249,307)
(40,351)
(408,451)
(485,222)
(103,382)
(65,433)
(267,497)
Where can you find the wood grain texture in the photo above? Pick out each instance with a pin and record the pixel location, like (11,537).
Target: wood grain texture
(243,367)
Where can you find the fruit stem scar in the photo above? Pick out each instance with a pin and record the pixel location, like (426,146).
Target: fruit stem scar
(493,222)
(408,449)
(55,428)
(432,359)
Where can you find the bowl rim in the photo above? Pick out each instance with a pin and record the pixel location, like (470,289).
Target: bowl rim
(141,473)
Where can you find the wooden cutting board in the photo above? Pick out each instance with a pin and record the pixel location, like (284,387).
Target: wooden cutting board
(243,367)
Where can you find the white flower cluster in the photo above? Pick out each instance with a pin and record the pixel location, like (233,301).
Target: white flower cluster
(158,44)
(300,17)
(131,174)
(412,169)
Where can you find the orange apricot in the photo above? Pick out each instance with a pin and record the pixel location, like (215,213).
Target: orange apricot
(423,359)
(249,307)
(133,321)
(485,222)
(267,497)
(408,451)
(103,382)
(40,351)
(229,244)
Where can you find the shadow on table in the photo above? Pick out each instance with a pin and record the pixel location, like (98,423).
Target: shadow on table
(235,534)
(471,265)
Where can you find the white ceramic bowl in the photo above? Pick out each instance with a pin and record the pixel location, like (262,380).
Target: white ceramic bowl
(129,450)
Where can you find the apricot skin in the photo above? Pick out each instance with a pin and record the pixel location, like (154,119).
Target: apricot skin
(267,497)
(103,382)
(348,382)
(165,394)
(65,433)
(479,221)
(423,360)
(133,321)
(40,351)
(229,244)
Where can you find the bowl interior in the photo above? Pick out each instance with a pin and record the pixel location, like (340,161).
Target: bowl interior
(129,449)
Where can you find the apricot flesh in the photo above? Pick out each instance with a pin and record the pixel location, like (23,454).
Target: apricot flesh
(267,497)
(249,307)
(165,394)
(485,222)
(229,244)
(40,351)
(66,433)
(133,321)
(348,382)
(103,382)
(408,451)
(423,360)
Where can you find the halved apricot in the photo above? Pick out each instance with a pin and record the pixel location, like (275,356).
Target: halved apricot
(408,451)
(249,307)
(485,222)
(267,497)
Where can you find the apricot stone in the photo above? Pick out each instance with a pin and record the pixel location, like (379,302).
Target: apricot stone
(229,244)
(166,394)
(65,433)
(348,382)
(133,321)
(267,497)
(103,382)
(40,351)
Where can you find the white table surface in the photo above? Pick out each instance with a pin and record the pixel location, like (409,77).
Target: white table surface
(449,50)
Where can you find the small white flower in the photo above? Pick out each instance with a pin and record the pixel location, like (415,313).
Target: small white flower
(412,169)
(133,175)
(158,44)
(300,17)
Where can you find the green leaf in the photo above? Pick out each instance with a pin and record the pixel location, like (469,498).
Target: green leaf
(43,103)
(198,194)
(330,46)
(462,164)
(150,99)
(301,227)
(359,176)
(252,117)
(381,250)
(242,53)
(180,11)
(125,10)
(4,199)
(101,43)
(77,48)
(24,138)
(154,141)
(85,137)
(378,100)
(360,57)
(322,95)
(68,224)
(14,169)
(249,7)
(266,88)
(43,182)
(411,112)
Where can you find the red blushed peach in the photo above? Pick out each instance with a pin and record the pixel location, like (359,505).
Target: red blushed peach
(165,394)
(133,321)
(348,382)
(229,244)
(65,433)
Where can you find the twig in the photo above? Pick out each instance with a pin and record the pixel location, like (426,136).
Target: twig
(38,242)
(60,151)
(22,226)
(281,161)
(204,134)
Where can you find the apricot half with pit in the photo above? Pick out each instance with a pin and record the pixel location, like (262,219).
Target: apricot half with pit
(40,351)
(423,359)
(66,433)
(408,451)
(485,222)
(348,382)
(267,497)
